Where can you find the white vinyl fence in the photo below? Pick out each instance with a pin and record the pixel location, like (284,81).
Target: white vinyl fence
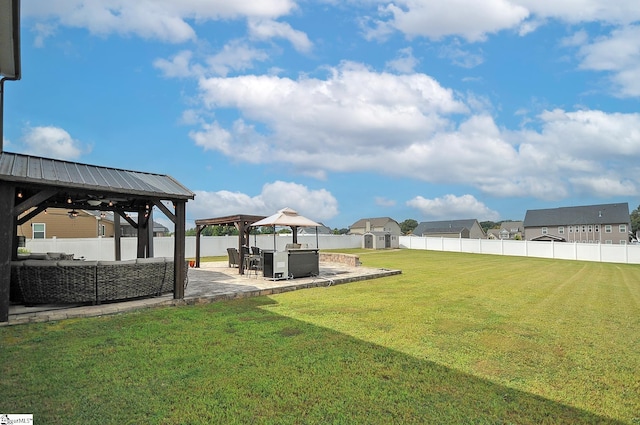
(605,253)
(104,248)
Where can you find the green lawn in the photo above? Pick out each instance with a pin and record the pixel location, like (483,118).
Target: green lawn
(456,338)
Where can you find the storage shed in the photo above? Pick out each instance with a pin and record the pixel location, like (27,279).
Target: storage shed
(380,240)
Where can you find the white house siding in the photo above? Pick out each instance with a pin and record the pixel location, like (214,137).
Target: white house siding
(584,233)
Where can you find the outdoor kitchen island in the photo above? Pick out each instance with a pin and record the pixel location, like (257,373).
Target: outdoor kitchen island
(290,264)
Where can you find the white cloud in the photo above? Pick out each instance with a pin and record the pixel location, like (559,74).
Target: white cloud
(165,20)
(453,207)
(474,20)
(461,57)
(469,19)
(266,29)
(618,54)
(409,126)
(236,55)
(529,26)
(583,151)
(52,142)
(578,38)
(353,107)
(404,63)
(315,204)
(384,202)
(605,185)
(179,66)
(43,31)
(588,135)
(577,11)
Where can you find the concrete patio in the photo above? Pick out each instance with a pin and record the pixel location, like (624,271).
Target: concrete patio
(213,281)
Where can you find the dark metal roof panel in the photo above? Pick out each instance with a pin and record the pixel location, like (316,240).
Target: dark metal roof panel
(589,214)
(61,173)
(65,174)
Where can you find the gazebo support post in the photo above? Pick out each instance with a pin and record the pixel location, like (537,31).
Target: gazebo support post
(143,235)
(150,234)
(198,232)
(241,243)
(7,236)
(117,236)
(179,270)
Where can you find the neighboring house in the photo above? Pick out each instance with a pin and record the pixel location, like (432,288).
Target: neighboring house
(493,234)
(321,230)
(468,229)
(511,230)
(372,225)
(60,223)
(606,223)
(128,230)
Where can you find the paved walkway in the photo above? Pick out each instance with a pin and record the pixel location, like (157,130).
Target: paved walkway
(213,281)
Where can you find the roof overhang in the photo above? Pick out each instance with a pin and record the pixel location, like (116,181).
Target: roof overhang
(10,39)
(52,183)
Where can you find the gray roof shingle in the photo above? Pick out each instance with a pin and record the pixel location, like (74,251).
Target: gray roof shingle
(589,214)
(443,226)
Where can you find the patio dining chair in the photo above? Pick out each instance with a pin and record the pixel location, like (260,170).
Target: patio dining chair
(252,263)
(234,257)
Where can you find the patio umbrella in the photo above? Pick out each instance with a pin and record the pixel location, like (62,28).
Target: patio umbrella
(287,217)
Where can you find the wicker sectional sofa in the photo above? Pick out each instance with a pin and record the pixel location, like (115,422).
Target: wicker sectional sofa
(70,281)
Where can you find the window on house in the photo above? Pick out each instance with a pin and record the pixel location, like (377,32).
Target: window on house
(623,228)
(590,228)
(607,228)
(608,242)
(101,230)
(584,228)
(544,231)
(561,230)
(570,229)
(597,227)
(623,242)
(38,230)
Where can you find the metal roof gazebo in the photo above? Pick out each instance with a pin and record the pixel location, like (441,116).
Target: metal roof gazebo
(30,184)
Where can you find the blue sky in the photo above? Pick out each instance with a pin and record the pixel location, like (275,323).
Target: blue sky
(422,109)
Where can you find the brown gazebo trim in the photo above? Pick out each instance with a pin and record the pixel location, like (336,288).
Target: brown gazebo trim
(242,222)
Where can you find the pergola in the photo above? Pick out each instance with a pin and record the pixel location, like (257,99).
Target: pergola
(30,184)
(242,222)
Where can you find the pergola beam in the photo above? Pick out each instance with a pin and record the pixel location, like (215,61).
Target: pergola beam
(242,222)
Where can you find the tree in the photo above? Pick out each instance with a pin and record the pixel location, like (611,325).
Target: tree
(214,231)
(486,225)
(408,226)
